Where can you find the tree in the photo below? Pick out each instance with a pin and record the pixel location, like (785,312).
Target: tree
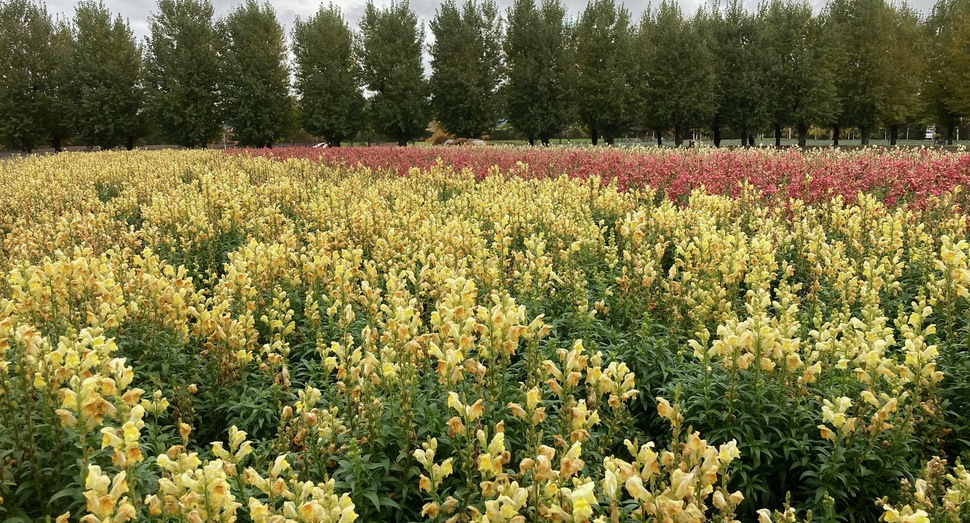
(60,100)
(603,43)
(328,77)
(28,73)
(674,73)
(905,62)
(739,58)
(801,86)
(106,86)
(392,69)
(466,67)
(942,83)
(961,63)
(863,69)
(183,72)
(256,79)
(540,75)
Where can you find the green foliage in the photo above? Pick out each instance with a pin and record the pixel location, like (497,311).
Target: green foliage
(961,100)
(466,67)
(907,66)
(256,78)
(183,72)
(106,85)
(945,94)
(739,55)
(541,77)
(328,77)
(28,70)
(61,102)
(801,85)
(603,44)
(863,71)
(674,71)
(390,50)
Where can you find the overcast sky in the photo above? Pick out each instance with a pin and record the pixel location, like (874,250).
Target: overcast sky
(138,11)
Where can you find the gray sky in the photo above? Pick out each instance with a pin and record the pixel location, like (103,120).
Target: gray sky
(138,11)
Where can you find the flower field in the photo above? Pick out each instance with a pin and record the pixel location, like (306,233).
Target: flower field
(902,176)
(281,337)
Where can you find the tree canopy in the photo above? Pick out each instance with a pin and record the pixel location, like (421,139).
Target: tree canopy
(531,70)
(466,67)
(256,76)
(390,51)
(28,53)
(328,77)
(107,74)
(603,44)
(675,72)
(183,72)
(539,90)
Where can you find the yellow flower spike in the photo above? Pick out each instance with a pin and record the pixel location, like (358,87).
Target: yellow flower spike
(280,465)
(220,452)
(718,500)
(444,470)
(634,486)
(184,430)
(517,411)
(827,433)
(119,486)
(497,445)
(682,484)
(487,466)
(728,452)
(456,427)
(665,410)
(552,369)
(583,498)
(110,438)
(455,403)
(475,410)
(610,482)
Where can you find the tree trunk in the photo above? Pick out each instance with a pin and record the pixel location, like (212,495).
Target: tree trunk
(594,136)
(58,144)
(402,142)
(678,137)
(609,139)
(864,134)
(835,134)
(532,142)
(950,131)
(660,138)
(716,131)
(750,140)
(802,135)
(893,134)
(130,143)
(777,134)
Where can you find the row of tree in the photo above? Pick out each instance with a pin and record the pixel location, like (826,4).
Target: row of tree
(857,63)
